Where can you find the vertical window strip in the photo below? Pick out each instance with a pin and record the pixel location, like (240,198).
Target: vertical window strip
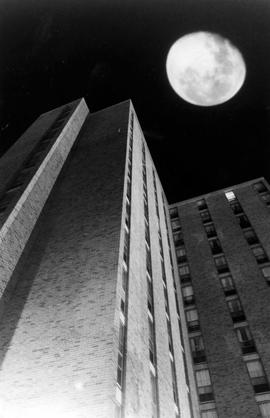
(150,295)
(250,235)
(166,302)
(121,361)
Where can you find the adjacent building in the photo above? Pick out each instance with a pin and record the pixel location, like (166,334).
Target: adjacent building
(222,243)
(91,322)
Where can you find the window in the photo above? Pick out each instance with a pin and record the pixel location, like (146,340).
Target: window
(184,271)
(178,239)
(210,230)
(266,198)
(202,204)
(148,262)
(266,273)
(260,187)
(257,376)
(236,310)
(243,221)
(250,236)
(197,349)
(124,278)
(150,297)
(192,320)
(205,215)
(209,414)
(173,213)
(120,354)
(176,225)
(228,285)
(204,385)
(230,196)
(236,207)
(221,264)
(265,409)
(147,233)
(181,255)
(259,254)
(215,246)
(126,247)
(188,295)
(245,340)
(151,341)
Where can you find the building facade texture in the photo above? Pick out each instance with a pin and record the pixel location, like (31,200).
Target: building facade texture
(92,322)
(222,243)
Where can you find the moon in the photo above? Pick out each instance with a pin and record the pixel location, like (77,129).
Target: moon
(205,69)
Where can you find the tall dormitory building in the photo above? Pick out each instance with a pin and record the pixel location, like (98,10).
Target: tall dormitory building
(222,243)
(108,309)
(90,323)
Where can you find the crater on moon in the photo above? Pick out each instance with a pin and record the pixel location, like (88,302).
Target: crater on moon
(205,69)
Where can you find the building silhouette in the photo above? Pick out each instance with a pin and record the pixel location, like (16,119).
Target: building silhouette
(114,304)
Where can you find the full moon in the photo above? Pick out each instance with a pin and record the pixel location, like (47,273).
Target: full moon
(205,69)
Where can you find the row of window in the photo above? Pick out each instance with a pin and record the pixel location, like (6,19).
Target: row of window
(125,274)
(249,233)
(26,172)
(258,378)
(204,386)
(150,296)
(177,308)
(167,309)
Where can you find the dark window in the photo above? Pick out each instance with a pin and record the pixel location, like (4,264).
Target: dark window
(126,247)
(228,285)
(236,310)
(266,198)
(221,264)
(257,376)
(150,297)
(210,230)
(197,349)
(151,341)
(250,236)
(178,239)
(148,262)
(204,386)
(202,204)
(192,320)
(246,341)
(181,255)
(215,246)
(243,221)
(236,207)
(259,254)
(188,295)
(176,225)
(260,187)
(205,215)
(173,213)
(184,271)
(124,279)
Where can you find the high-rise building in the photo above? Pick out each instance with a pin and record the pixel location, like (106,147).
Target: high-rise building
(114,304)
(222,245)
(90,323)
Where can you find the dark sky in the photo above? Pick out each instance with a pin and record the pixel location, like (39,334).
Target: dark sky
(53,52)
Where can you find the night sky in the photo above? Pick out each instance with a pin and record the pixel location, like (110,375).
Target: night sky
(56,51)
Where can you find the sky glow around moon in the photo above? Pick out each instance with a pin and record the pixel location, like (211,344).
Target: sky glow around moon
(205,69)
